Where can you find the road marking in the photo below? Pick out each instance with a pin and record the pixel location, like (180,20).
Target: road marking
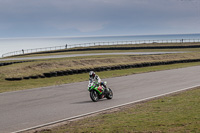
(98,111)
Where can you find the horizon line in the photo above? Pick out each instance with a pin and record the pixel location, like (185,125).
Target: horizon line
(46,37)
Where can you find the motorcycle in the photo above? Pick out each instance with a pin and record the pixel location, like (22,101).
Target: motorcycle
(98,91)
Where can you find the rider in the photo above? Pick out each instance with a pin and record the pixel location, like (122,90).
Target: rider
(94,77)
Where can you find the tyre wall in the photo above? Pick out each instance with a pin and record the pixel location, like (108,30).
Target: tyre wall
(99,69)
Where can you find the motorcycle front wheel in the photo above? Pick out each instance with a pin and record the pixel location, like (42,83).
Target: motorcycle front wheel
(94,96)
(110,94)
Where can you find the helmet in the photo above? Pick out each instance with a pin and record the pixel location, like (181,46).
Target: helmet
(92,74)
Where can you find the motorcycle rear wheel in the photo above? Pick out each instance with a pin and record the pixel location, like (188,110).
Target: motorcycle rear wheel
(94,96)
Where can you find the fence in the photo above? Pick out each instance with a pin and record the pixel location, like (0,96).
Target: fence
(27,51)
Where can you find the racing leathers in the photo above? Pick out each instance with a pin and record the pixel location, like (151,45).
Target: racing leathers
(96,79)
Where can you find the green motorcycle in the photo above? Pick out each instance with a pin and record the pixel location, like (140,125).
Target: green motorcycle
(98,91)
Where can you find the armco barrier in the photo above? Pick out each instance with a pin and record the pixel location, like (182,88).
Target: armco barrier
(117,48)
(84,46)
(99,69)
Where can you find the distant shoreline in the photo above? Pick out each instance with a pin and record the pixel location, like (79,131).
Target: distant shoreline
(57,37)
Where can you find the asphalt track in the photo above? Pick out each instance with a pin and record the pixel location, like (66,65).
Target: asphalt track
(92,54)
(29,108)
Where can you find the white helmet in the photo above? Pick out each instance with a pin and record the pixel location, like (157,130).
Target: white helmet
(92,74)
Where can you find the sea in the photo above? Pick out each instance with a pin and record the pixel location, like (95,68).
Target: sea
(16,44)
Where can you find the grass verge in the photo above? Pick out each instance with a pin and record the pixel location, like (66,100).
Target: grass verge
(173,113)
(6,86)
(50,65)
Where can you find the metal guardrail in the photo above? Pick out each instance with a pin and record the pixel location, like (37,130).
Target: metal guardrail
(27,51)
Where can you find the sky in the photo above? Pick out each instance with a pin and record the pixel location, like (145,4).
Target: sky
(51,18)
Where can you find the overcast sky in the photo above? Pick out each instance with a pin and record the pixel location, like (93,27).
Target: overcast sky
(46,18)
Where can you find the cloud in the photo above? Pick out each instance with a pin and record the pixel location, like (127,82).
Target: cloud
(96,16)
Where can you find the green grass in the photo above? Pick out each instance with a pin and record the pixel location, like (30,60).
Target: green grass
(177,113)
(6,86)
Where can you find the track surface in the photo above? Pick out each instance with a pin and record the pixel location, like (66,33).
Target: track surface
(24,109)
(92,54)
